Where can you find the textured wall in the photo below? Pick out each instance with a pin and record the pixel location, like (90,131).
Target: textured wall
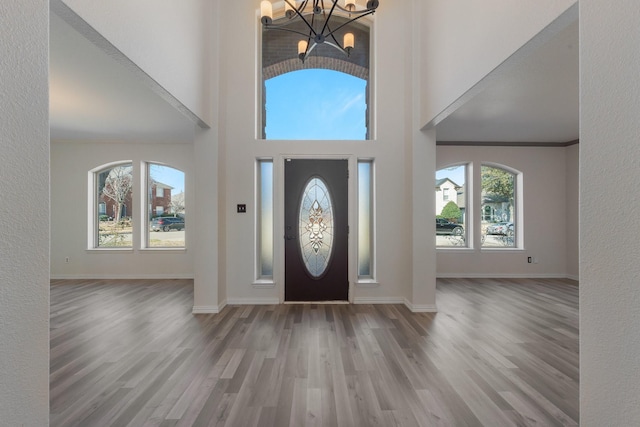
(24,196)
(609,182)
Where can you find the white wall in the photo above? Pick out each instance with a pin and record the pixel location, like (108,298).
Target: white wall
(609,179)
(24,191)
(70,163)
(239,150)
(463,41)
(168,40)
(573,209)
(544,212)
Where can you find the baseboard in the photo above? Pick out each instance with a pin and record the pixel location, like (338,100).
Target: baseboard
(378,300)
(119,276)
(421,308)
(208,309)
(572,277)
(501,276)
(253,301)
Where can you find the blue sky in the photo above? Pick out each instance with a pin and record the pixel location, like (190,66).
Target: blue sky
(168,175)
(455,174)
(316,104)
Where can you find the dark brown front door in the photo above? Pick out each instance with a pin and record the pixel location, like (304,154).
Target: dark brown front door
(316,230)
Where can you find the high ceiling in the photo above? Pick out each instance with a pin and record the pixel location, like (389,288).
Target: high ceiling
(95,97)
(536,100)
(92,96)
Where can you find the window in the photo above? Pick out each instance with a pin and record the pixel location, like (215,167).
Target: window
(333,106)
(324,98)
(365,219)
(113,198)
(264,219)
(451,202)
(167,210)
(498,207)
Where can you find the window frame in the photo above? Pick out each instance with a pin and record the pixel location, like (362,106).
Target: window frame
(369,278)
(370,93)
(261,227)
(518,206)
(93,209)
(146,207)
(468,224)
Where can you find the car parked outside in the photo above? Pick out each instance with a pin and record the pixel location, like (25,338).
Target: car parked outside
(447,227)
(167,223)
(501,228)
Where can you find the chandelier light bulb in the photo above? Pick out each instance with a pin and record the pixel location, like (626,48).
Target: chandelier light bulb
(302,48)
(289,8)
(266,12)
(350,5)
(349,41)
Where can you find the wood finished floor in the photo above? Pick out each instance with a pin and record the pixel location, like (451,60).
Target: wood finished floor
(498,352)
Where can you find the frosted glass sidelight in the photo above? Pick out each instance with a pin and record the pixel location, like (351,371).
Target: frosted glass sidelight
(316,226)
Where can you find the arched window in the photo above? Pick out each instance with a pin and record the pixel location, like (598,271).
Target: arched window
(315,104)
(325,97)
(162,207)
(166,207)
(499,207)
(112,194)
(451,206)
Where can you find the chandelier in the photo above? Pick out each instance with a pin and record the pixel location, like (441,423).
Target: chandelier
(317,19)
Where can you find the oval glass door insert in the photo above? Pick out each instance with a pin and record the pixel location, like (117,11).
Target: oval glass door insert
(316,226)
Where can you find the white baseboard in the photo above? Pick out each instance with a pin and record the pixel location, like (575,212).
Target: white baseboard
(208,309)
(421,308)
(572,277)
(119,276)
(378,300)
(253,301)
(500,276)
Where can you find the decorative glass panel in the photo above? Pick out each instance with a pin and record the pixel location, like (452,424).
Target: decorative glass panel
(265,219)
(316,226)
(365,219)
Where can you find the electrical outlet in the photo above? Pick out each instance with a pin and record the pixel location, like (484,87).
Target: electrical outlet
(242,208)
(66,259)
(529,260)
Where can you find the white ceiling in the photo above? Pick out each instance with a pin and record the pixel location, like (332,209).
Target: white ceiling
(536,100)
(92,96)
(95,97)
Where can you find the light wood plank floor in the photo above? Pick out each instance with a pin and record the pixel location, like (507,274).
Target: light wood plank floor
(498,352)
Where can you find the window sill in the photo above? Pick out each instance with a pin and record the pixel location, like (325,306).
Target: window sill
(165,250)
(367,283)
(109,250)
(501,249)
(453,249)
(264,284)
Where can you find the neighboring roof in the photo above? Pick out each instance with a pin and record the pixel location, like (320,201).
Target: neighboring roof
(441,181)
(161,185)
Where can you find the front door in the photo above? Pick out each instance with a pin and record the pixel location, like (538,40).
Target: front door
(316,230)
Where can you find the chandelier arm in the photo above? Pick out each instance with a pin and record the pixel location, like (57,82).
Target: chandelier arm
(353,12)
(299,13)
(309,49)
(327,17)
(349,22)
(337,46)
